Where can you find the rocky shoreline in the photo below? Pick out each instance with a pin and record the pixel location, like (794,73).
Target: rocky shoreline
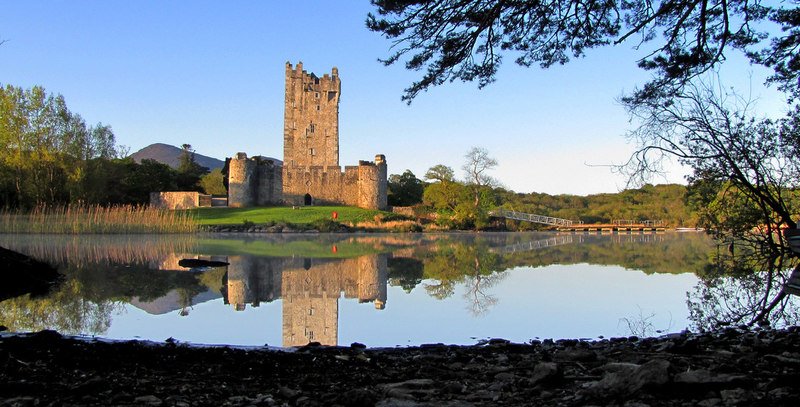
(729,367)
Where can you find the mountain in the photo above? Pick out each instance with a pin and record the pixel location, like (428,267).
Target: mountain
(171,155)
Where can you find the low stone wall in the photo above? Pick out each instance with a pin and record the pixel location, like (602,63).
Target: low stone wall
(179,200)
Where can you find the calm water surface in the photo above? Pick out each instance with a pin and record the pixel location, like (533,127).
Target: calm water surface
(380,290)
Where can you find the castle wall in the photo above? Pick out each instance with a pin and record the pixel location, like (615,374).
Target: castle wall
(310,173)
(251,280)
(178,200)
(311,118)
(270,184)
(252,182)
(373,184)
(364,185)
(242,181)
(311,289)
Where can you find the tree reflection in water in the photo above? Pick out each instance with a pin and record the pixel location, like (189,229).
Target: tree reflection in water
(105,274)
(743,285)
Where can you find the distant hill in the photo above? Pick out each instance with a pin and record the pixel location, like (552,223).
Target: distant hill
(171,155)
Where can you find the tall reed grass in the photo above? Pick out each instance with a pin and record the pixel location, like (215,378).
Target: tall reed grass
(76,219)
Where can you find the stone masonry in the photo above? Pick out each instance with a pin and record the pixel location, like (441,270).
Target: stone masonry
(310,290)
(310,173)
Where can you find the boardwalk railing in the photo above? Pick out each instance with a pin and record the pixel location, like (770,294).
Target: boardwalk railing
(534,245)
(529,217)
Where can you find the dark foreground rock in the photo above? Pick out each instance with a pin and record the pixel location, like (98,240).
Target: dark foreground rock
(20,274)
(728,368)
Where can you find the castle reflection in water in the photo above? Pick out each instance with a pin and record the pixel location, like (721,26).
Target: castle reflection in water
(309,287)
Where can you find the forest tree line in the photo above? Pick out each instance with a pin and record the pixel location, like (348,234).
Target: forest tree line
(51,157)
(453,203)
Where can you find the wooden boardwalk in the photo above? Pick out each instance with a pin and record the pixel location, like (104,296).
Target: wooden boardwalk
(566,225)
(608,227)
(605,227)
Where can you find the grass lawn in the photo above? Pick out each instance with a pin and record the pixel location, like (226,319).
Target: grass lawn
(282,214)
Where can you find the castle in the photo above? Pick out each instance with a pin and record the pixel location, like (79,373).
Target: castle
(310,173)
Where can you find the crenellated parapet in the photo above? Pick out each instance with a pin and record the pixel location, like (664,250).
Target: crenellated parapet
(310,173)
(311,118)
(363,185)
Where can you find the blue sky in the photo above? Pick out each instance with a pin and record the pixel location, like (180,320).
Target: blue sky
(211,74)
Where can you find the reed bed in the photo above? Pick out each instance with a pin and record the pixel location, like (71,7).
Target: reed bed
(95,219)
(83,250)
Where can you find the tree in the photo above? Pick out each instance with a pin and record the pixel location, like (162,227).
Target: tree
(212,183)
(46,148)
(149,176)
(440,173)
(477,164)
(466,39)
(444,196)
(739,162)
(405,189)
(189,171)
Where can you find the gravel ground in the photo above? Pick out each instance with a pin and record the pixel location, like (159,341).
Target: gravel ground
(730,367)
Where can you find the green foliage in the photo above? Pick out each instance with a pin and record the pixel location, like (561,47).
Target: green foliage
(665,203)
(405,272)
(91,293)
(50,156)
(747,166)
(212,183)
(45,148)
(454,205)
(405,189)
(444,196)
(189,172)
(440,173)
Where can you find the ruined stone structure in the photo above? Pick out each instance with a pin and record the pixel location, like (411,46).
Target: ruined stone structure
(179,200)
(253,181)
(310,173)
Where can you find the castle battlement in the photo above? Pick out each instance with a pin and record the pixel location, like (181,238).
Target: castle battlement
(310,173)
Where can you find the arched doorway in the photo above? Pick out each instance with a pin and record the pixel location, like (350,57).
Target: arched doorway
(307,200)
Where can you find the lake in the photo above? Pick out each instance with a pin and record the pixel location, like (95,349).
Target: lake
(380,290)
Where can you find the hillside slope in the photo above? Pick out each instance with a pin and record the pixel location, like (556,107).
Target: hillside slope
(170,155)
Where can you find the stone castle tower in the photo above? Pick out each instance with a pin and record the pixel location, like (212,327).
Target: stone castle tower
(311,118)
(310,173)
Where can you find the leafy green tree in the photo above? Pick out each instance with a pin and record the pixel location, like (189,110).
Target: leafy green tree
(444,195)
(405,189)
(440,173)
(189,171)
(212,183)
(46,148)
(149,176)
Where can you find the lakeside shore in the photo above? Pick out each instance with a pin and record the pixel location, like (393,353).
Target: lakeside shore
(729,367)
